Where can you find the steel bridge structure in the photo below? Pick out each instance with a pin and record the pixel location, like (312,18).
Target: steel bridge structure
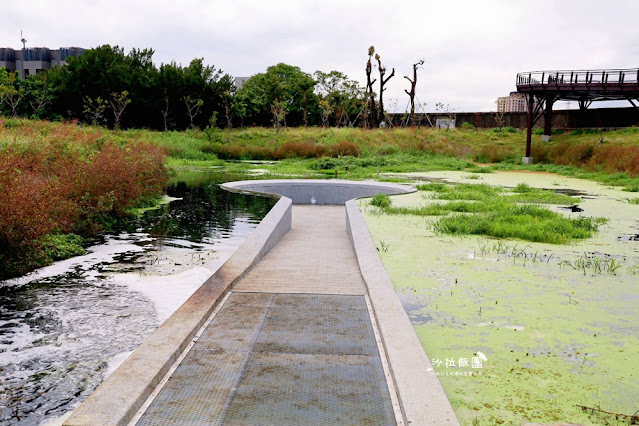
(544,88)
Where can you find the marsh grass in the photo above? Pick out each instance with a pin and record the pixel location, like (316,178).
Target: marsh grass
(633,201)
(522,193)
(588,263)
(529,223)
(381,200)
(597,265)
(493,211)
(516,252)
(442,209)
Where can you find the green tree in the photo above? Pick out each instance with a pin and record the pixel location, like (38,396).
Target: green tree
(38,94)
(103,71)
(286,85)
(342,98)
(4,88)
(178,90)
(11,93)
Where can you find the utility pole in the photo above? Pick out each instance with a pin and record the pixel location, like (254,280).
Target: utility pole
(24,54)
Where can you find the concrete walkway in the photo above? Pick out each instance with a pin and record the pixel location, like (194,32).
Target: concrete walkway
(294,342)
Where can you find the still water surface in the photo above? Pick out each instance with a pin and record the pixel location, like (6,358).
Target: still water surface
(64,328)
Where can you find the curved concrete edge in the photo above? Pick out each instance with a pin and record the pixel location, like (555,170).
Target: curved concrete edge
(420,393)
(118,398)
(322,192)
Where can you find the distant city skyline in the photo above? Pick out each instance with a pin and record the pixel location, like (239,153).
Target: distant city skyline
(472,50)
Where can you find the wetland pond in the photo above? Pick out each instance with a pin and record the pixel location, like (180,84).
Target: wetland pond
(66,327)
(516,331)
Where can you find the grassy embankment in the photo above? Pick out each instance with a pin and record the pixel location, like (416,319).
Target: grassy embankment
(359,154)
(56,166)
(319,152)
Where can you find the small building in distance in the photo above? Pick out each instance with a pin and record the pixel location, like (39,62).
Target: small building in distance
(239,82)
(35,59)
(515,102)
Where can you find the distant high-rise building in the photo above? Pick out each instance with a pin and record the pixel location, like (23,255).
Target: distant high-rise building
(35,59)
(515,102)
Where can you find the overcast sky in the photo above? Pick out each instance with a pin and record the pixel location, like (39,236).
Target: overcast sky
(472,49)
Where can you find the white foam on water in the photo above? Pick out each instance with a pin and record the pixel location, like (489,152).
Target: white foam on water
(167,292)
(102,253)
(58,421)
(115,362)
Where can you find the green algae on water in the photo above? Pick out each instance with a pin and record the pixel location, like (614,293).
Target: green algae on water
(553,337)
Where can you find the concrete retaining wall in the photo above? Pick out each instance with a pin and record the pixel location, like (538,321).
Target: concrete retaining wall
(118,399)
(562,119)
(334,192)
(420,393)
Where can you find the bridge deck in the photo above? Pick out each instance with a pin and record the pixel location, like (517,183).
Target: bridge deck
(593,85)
(293,343)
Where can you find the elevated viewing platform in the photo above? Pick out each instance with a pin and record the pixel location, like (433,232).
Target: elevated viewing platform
(582,85)
(544,88)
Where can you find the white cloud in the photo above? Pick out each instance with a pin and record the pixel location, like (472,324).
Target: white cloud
(473,49)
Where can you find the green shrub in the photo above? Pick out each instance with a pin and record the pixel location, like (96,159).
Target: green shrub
(522,188)
(62,246)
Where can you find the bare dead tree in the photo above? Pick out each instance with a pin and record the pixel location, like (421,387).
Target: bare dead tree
(278,109)
(500,116)
(500,119)
(371,117)
(413,85)
(382,83)
(166,112)
(228,110)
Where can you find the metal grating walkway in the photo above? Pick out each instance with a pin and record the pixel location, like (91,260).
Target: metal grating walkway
(279,359)
(293,343)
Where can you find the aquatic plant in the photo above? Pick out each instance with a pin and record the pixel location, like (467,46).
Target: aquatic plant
(381,200)
(383,246)
(529,223)
(522,193)
(498,213)
(597,265)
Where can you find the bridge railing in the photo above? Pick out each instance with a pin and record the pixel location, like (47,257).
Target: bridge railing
(572,77)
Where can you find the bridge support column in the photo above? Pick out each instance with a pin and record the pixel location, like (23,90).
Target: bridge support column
(548,118)
(529,124)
